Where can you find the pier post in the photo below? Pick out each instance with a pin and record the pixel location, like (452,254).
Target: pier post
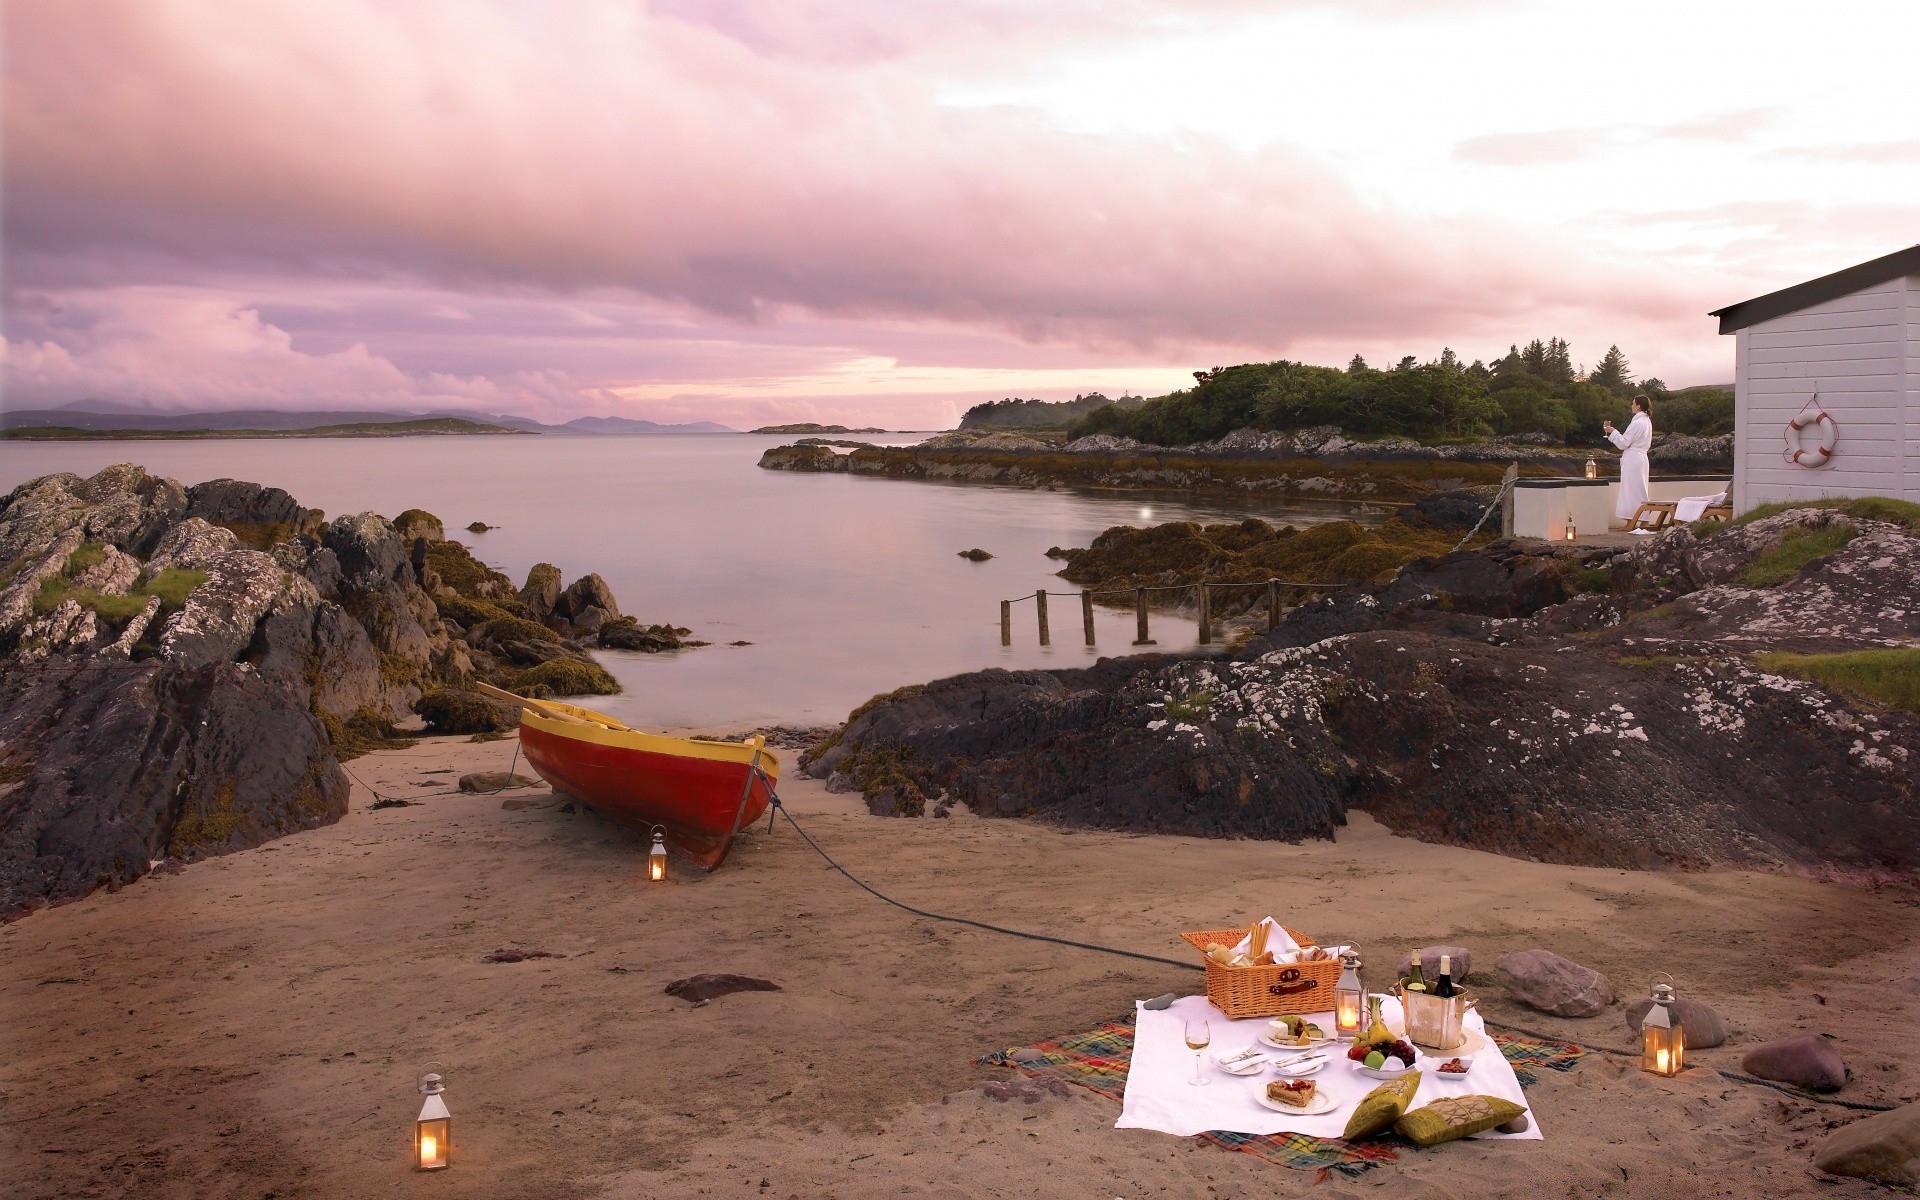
(1086,614)
(1273,605)
(1040,603)
(1140,617)
(1006,622)
(1206,616)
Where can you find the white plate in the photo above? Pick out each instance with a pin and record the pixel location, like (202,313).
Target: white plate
(1251,1066)
(1321,1103)
(1266,1036)
(1472,1043)
(1302,1070)
(1376,1073)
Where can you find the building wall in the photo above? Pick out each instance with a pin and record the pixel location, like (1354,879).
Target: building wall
(1863,352)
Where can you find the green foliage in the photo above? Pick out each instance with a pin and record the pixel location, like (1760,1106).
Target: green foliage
(1795,551)
(171,585)
(1890,677)
(1701,411)
(566,677)
(1014,413)
(1589,579)
(1611,373)
(1191,707)
(89,554)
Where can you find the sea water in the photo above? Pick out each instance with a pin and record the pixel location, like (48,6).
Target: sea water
(840,587)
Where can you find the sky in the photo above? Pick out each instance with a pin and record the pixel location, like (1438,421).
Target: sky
(885,211)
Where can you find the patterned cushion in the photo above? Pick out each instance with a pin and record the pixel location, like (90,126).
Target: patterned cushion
(1382,1106)
(1455,1117)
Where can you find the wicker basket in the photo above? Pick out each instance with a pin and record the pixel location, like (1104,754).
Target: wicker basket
(1297,988)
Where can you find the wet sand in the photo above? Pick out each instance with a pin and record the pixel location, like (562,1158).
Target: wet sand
(251,1027)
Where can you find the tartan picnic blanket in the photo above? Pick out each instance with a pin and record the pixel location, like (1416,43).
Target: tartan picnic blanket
(1098,1059)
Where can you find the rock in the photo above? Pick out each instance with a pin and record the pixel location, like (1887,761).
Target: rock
(975,555)
(1884,1147)
(1805,1060)
(588,591)
(589,622)
(113,575)
(565,676)
(419,523)
(18,598)
(190,546)
(219,617)
(625,633)
(485,783)
(446,710)
(258,516)
(542,590)
(1448,510)
(1461,957)
(1519,1124)
(1677,453)
(369,551)
(1541,979)
(505,955)
(1705,1028)
(480,527)
(711,987)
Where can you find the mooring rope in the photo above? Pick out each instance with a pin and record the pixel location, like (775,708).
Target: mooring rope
(783,810)
(379,796)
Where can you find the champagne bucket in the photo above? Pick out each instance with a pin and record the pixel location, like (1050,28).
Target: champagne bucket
(1433,1022)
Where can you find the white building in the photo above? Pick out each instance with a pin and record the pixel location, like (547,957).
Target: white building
(1854,338)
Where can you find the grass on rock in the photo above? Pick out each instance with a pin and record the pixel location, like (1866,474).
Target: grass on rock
(1890,677)
(1799,548)
(1864,508)
(566,677)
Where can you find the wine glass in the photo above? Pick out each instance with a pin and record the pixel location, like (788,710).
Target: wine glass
(1199,1037)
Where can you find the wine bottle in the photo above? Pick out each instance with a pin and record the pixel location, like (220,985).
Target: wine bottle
(1443,986)
(1416,979)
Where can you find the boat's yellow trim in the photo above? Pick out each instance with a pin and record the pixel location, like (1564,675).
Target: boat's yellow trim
(600,733)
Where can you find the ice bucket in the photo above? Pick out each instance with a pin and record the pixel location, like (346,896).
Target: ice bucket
(1433,1022)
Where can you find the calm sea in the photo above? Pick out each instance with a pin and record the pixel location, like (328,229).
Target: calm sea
(842,587)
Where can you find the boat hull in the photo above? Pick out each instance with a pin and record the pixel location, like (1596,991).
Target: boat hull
(689,787)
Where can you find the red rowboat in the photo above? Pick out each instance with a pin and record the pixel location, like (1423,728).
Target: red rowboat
(702,792)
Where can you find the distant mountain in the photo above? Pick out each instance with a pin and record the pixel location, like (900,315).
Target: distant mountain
(811,427)
(419,427)
(109,415)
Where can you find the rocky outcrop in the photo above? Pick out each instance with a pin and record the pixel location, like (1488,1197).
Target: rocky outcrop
(184,667)
(588,591)
(1585,707)
(541,591)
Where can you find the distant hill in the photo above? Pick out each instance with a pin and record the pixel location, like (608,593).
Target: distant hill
(421,427)
(1040,414)
(812,427)
(104,416)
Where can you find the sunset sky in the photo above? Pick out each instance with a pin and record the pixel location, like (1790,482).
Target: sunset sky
(883,211)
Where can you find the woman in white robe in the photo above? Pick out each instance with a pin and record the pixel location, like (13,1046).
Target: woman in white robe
(1634,468)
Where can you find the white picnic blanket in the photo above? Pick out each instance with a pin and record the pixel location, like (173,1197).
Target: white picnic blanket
(1160,1098)
(1690,508)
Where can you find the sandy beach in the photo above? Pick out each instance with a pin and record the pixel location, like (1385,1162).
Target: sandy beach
(252,1026)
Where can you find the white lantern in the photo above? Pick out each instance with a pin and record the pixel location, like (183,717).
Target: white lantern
(1593,467)
(657,856)
(1349,997)
(1571,533)
(433,1129)
(1663,1040)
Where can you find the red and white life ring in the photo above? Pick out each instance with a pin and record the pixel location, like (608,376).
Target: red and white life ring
(1826,437)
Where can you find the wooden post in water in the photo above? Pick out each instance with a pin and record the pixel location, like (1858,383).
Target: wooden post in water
(1040,602)
(1273,605)
(1140,617)
(1206,616)
(1006,622)
(1086,614)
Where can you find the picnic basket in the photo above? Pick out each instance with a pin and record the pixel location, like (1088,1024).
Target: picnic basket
(1267,991)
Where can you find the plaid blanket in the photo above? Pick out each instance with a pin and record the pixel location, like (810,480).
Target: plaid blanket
(1098,1059)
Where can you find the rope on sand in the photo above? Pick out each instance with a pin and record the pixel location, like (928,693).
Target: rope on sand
(782,809)
(379,796)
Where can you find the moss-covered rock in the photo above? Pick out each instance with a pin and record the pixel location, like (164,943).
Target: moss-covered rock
(514,629)
(467,575)
(542,590)
(448,710)
(566,677)
(419,523)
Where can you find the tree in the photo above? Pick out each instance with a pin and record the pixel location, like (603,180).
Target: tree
(1612,373)
(1357,365)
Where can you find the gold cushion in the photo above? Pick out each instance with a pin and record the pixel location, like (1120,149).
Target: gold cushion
(1455,1117)
(1382,1106)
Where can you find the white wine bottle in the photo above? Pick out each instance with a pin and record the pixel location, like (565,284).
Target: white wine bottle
(1416,978)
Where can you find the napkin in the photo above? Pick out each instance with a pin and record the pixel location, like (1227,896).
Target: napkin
(1277,941)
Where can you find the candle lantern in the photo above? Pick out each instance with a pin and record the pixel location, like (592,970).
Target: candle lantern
(1349,997)
(1571,532)
(1593,467)
(1663,1040)
(657,856)
(432,1130)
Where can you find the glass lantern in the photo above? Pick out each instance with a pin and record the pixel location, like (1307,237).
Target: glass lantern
(1593,467)
(1571,532)
(657,856)
(1663,1040)
(1349,997)
(432,1130)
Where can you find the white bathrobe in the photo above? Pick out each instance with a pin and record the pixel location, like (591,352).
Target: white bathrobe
(1633,442)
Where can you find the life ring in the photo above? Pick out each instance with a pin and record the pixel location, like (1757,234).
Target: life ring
(1827,437)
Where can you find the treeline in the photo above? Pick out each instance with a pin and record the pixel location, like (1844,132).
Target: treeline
(1014,413)
(1531,390)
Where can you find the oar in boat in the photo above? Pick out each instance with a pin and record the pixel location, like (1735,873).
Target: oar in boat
(543,708)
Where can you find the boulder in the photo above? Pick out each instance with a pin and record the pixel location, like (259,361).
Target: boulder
(1805,1060)
(190,546)
(259,516)
(1447,510)
(1430,962)
(589,622)
(485,783)
(419,523)
(446,710)
(1705,1029)
(542,590)
(1541,979)
(218,619)
(1884,1148)
(369,551)
(625,633)
(112,575)
(588,591)
(975,555)
(18,597)
(711,987)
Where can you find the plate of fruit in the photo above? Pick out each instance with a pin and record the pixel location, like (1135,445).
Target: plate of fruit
(1389,1060)
(1293,1033)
